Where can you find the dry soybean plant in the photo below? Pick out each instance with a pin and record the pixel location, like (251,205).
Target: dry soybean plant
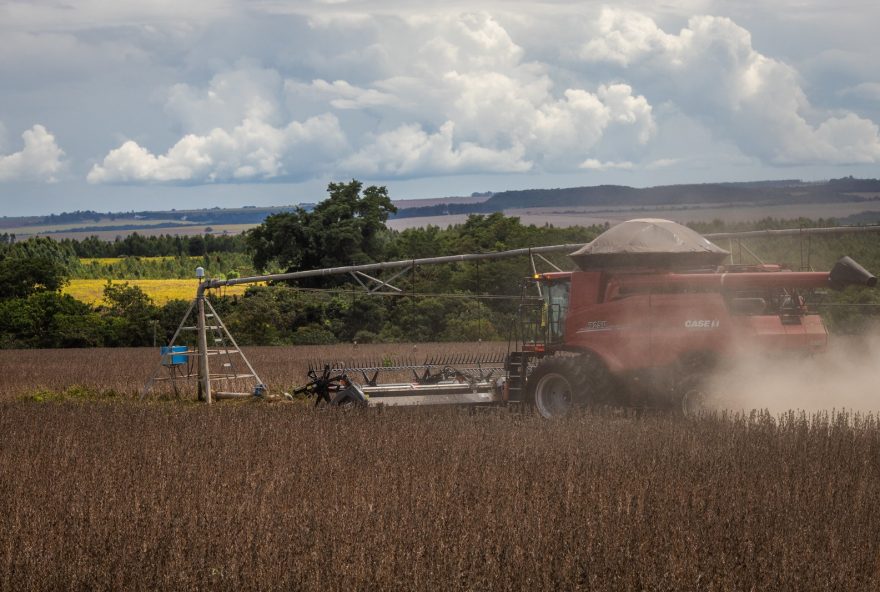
(250,496)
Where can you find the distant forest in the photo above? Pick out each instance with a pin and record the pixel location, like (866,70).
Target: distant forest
(847,189)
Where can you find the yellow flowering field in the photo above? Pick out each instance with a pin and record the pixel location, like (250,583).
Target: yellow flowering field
(161,291)
(113,260)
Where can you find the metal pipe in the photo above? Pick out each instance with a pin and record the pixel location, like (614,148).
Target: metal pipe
(390,265)
(727,281)
(204,371)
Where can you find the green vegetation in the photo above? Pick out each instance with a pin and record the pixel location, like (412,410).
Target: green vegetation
(166,245)
(346,228)
(450,302)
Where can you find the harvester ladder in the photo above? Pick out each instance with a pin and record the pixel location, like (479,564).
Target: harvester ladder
(526,330)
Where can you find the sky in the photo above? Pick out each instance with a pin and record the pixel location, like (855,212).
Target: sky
(120,106)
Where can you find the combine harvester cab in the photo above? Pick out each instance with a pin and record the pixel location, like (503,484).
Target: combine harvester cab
(651,312)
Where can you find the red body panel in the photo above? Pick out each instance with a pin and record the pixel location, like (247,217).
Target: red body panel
(641,321)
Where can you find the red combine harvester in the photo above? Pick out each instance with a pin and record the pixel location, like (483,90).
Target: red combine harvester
(651,312)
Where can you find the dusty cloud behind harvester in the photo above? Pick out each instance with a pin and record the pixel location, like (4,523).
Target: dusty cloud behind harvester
(844,378)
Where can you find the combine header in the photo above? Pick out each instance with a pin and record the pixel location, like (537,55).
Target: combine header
(447,380)
(651,311)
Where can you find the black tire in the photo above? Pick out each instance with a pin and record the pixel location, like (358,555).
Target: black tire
(693,394)
(559,385)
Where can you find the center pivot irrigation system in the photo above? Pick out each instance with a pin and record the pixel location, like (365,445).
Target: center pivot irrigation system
(214,339)
(592,335)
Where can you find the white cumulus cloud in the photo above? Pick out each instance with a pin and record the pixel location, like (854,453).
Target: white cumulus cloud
(593,164)
(460,98)
(711,71)
(409,150)
(251,151)
(412,94)
(238,131)
(245,92)
(464,76)
(341,94)
(39,160)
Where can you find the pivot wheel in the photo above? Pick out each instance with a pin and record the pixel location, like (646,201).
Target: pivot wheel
(559,385)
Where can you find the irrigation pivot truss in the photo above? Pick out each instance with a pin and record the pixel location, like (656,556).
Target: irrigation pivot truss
(215,340)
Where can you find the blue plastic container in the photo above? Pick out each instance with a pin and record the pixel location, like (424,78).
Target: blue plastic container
(174,355)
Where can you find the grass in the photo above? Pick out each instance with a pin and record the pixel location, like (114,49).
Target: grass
(91,291)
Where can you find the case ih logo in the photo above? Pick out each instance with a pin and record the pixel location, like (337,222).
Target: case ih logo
(702,324)
(595,326)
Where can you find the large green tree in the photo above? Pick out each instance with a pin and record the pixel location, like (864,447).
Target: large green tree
(31,266)
(128,315)
(346,228)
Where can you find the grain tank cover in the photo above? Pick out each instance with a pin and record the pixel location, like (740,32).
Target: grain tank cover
(649,242)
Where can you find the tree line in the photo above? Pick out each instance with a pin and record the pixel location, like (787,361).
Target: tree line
(165,245)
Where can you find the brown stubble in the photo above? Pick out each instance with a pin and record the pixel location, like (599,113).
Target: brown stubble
(122,372)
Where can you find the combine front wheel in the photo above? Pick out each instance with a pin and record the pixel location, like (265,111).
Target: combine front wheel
(558,385)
